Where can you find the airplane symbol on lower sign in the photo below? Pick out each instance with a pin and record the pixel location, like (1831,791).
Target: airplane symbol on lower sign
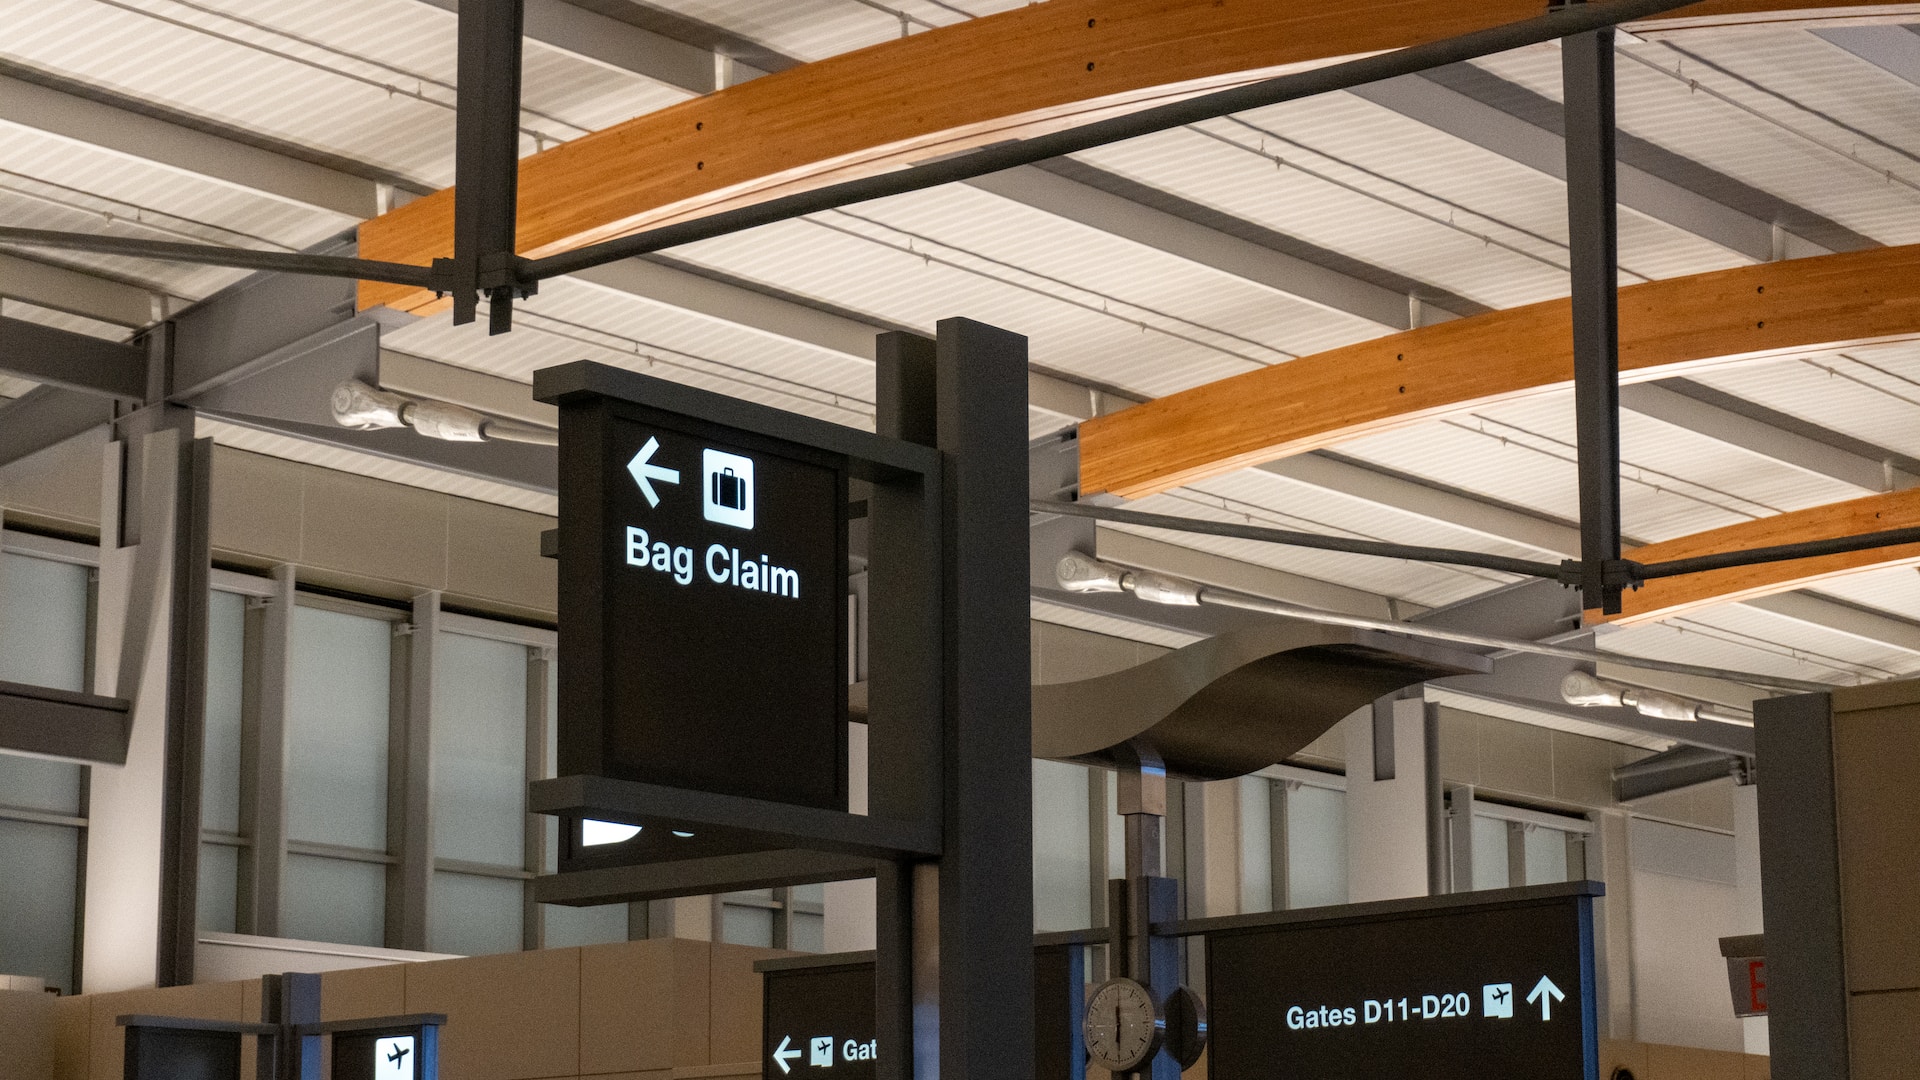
(785,1054)
(1500,995)
(1540,996)
(398,1054)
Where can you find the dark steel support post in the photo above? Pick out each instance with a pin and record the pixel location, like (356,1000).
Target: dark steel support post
(903,710)
(287,1000)
(986,866)
(486,163)
(186,713)
(1586,64)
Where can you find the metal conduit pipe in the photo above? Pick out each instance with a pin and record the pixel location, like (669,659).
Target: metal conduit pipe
(1084,573)
(368,408)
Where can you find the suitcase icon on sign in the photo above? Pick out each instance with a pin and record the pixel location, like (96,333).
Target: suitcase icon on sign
(729,490)
(727,497)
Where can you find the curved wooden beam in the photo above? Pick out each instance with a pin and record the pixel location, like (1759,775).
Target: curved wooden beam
(1666,327)
(1022,72)
(1664,598)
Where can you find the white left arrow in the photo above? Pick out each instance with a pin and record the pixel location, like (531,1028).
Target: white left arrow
(644,474)
(784,1055)
(1541,990)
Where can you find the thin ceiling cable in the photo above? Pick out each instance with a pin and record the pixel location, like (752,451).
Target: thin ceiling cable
(1888,372)
(1452,206)
(1694,85)
(1143,326)
(1738,639)
(1562,450)
(1835,372)
(1858,133)
(390,89)
(1063,283)
(1269,516)
(137,210)
(622,345)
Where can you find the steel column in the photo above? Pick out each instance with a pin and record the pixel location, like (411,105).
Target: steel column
(186,713)
(1586,65)
(904,661)
(263,756)
(486,161)
(986,866)
(410,809)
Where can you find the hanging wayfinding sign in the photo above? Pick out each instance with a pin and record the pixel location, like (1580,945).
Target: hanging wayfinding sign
(703,613)
(1443,988)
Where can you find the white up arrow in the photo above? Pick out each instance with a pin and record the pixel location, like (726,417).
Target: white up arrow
(1540,996)
(644,474)
(784,1055)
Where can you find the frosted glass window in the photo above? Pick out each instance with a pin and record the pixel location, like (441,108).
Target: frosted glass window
(569,926)
(1491,870)
(220,765)
(473,915)
(43,642)
(1062,893)
(1546,851)
(43,636)
(742,925)
(817,893)
(1256,796)
(335,900)
(807,933)
(38,880)
(1316,847)
(337,729)
(479,750)
(219,874)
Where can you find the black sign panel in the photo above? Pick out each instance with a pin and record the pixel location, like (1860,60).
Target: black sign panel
(712,562)
(1493,992)
(819,1021)
(155,1053)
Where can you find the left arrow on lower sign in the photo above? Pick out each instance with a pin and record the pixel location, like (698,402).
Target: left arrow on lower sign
(784,1055)
(645,474)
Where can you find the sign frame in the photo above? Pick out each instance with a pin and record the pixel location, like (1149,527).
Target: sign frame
(907,484)
(1579,894)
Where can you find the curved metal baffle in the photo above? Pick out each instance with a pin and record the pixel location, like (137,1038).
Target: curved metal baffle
(1236,703)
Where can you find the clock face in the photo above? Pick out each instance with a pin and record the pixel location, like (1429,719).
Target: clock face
(1123,1028)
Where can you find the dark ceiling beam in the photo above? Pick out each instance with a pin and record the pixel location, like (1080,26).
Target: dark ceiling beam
(44,722)
(72,361)
(1478,107)
(46,416)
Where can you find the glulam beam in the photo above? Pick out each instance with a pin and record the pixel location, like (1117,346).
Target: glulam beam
(1012,75)
(1667,327)
(1664,598)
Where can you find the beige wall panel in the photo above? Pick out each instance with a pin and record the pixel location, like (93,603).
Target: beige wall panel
(249,1010)
(509,1017)
(107,1041)
(1582,770)
(1067,654)
(1758,1067)
(72,1038)
(1706,805)
(1884,695)
(1620,1054)
(1459,746)
(1885,1035)
(257,504)
(26,1034)
(1687,1063)
(493,554)
(1875,754)
(1516,758)
(355,993)
(735,995)
(58,486)
(643,1006)
(353,524)
(653,1074)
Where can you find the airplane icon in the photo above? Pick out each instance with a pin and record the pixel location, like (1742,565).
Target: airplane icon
(1496,1000)
(398,1054)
